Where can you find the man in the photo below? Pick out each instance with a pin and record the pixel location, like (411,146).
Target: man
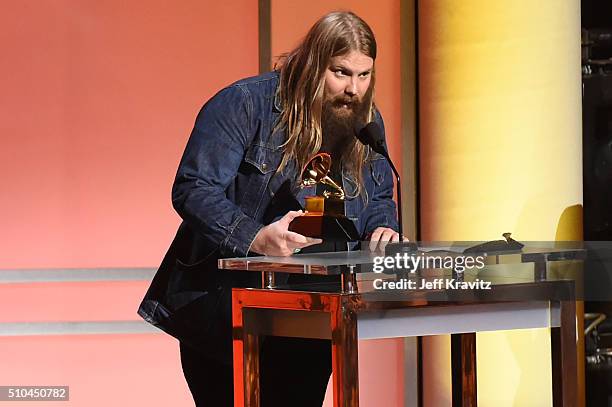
(248,146)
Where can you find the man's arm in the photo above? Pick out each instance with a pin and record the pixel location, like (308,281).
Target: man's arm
(222,132)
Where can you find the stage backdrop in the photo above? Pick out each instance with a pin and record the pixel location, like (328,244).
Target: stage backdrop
(500,152)
(98,99)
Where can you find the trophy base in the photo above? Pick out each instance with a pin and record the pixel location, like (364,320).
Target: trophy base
(318,205)
(326,227)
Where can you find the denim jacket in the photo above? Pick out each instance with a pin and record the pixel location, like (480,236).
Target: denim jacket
(226,180)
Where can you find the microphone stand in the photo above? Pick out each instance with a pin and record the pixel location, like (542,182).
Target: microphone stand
(392,248)
(399,195)
(371,135)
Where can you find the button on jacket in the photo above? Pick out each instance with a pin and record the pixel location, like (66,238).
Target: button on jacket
(224,188)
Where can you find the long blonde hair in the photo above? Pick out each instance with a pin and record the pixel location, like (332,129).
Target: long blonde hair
(302,84)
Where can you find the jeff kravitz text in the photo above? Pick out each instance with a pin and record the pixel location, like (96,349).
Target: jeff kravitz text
(435,284)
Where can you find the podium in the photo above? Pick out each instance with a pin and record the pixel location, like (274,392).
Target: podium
(358,309)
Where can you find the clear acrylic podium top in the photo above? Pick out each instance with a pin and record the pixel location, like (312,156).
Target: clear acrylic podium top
(522,281)
(362,261)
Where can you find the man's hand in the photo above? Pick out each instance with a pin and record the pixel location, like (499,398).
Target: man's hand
(381,236)
(275,239)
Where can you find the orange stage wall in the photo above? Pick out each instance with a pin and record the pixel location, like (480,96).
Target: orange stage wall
(98,99)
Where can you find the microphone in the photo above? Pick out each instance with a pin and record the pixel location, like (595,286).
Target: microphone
(372,135)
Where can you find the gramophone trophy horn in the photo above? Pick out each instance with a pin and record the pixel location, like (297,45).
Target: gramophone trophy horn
(324,217)
(316,172)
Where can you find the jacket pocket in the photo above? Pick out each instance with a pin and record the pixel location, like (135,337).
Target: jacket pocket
(376,170)
(194,292)
(263,158)
(259,165)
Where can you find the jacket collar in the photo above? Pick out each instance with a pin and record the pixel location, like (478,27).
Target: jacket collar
(277,102)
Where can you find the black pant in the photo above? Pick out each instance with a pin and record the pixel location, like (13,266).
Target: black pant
(293,372)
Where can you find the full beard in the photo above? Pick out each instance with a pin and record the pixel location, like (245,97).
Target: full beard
(340,117)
